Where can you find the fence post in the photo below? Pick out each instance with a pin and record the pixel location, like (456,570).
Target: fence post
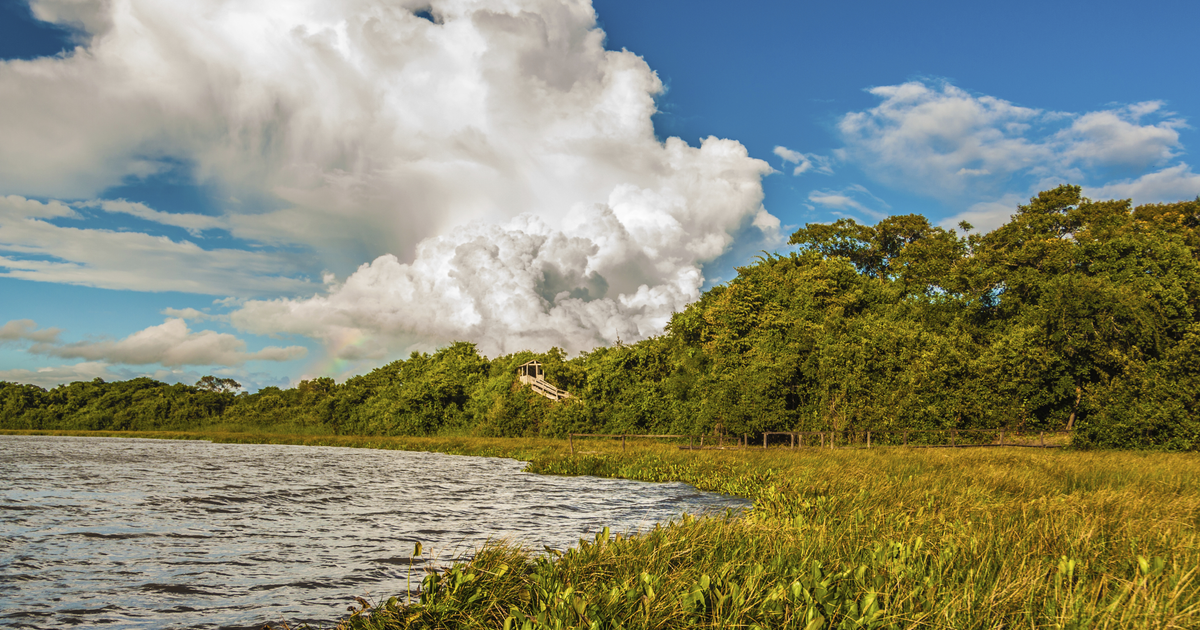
(764,441)
(745,441)
(1001,437)
(792,446)
(953,437)
(868,439)
(571,439)
(1042,438)
(622,442)
(691,445)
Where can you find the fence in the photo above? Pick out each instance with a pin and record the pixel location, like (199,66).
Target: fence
(911,438)
(923,438)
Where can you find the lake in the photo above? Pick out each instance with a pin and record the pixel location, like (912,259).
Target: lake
(131,533)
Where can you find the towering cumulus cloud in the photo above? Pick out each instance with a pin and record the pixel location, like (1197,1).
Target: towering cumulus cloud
(494,163)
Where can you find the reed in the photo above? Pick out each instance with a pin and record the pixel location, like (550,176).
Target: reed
(886,538)
(881,538)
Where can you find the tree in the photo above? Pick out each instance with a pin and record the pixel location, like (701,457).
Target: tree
(219,385)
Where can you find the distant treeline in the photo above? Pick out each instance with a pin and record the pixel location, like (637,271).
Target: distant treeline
(1074,315)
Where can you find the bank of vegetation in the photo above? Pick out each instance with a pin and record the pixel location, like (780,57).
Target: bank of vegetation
(886,538)
(1076,315)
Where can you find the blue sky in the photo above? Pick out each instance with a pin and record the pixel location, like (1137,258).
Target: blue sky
(281,190)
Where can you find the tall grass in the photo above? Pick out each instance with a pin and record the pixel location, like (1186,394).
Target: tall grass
(881,538)
(886,538)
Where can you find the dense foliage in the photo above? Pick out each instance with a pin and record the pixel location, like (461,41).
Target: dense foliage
(1075,315)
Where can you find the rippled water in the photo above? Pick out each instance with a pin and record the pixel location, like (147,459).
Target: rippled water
(124,533)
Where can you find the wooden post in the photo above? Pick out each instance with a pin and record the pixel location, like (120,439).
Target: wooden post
(622,442)
(764,441)
(691,446)
(953,435)
(745,440)
(868,439)
(793,443)
(1001,437)
(571,439)
(906,438)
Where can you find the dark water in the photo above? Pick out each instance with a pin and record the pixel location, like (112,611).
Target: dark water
(115,533)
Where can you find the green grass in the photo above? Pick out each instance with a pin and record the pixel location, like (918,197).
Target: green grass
(881,538)
(886,538)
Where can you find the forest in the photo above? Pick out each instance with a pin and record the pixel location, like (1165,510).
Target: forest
(1075,315)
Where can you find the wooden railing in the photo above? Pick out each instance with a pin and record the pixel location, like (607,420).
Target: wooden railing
(541,386)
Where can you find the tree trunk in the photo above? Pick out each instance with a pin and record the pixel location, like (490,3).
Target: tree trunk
(1074,408)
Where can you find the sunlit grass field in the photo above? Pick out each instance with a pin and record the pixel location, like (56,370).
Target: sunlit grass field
(844,538)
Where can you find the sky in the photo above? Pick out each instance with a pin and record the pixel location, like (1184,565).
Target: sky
(271,191)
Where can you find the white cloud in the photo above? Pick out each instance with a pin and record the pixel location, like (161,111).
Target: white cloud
(616,270)
(377,135)
(26,330)
(170,344)
(1115,138)
(942,141)
(40,250)
(48,377)
(190,313)
(1175,183)
(986,216)
(195,224)
(853,198)
(805,162)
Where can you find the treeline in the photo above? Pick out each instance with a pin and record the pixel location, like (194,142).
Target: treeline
(1075,315)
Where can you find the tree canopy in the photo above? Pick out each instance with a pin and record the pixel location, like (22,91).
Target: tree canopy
(1076,314)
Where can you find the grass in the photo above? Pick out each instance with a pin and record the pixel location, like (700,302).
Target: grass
(882,538)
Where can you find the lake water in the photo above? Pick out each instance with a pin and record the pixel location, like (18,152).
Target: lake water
(123,533)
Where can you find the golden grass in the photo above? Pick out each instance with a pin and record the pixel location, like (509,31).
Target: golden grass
(879,538)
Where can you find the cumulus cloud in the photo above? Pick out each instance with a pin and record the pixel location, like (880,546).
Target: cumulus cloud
(26,330)
(496,162)
(170,344)
(615,270)
(942,141)
(1169,184)
(1116,138)
(48,377)
(805,162)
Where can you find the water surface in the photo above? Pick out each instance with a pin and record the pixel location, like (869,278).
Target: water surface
(124,533)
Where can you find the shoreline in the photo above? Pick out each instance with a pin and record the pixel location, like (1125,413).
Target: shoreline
(889,537)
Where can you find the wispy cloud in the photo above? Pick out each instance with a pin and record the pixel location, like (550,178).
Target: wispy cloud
(37,249)
(850,200)
(195,224)
(805,162)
